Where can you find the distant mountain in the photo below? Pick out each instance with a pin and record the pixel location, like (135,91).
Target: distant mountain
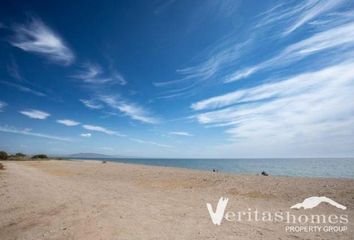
(90,155)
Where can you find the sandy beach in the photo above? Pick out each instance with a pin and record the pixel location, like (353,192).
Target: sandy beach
(91,200)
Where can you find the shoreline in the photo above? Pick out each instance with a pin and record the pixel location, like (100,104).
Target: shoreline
(205,170)
(107,160)
(70,199)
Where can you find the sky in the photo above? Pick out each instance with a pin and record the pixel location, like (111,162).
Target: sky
(178,78)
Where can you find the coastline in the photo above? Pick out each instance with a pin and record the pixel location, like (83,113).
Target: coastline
(342,170)
(86,199)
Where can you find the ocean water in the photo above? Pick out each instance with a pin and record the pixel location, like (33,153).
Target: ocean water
(305,167)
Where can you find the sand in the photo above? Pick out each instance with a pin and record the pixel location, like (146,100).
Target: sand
(92,200)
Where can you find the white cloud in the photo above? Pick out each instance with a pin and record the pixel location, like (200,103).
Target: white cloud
(87,135)
(288,16)
(15,73)
(243,73)
(304,111)
(150,142)
(223,56)
(91,104)
(38,38)
(209,68)
(28,132)
(36,114)
(312,9)
(118,77)
(340,37)
(2,106)
(102,130)
(163,6)
(220,60)
(13,69)
(130,109)
(181,134)
(89,73)
(288,87)
(23,88)
(68,122)
(94,74)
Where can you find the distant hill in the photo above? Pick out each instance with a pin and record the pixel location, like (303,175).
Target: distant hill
(90,155)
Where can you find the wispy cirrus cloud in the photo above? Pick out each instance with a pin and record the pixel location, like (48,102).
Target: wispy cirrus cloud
(94,74)
(23,88)
(210,67)
(91,103)
(13,69)
(163,6)
(102,130)
(118,77)
(180,133)
(68,122)
(318,8)
(309,108)
(220,57)
(100,80)
(150,143)
(340,38)
(228,60)
(289,109)
(35,114)
(292,15)
(28,132)
(19,83)
(2,106)
(38,38)
(275,89)
(89,73)
(86,135)
(132,110)
(333,19)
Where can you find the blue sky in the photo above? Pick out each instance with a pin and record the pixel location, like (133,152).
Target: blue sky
(178,78)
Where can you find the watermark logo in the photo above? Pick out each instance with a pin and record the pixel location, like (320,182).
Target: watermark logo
(312,202)
(218,215)
(294,221)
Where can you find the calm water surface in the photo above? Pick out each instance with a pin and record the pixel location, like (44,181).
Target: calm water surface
(306,167)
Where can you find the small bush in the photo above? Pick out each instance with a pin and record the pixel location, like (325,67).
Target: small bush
(41,156)
(2,167)
(20,155)
(3,155)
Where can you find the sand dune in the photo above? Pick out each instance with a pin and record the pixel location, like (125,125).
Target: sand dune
(91,200)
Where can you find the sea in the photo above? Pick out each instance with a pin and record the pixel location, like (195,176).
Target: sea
(300,167)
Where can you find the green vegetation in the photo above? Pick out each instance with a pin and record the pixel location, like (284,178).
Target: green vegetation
(20,155)
(3,155)
(40,156)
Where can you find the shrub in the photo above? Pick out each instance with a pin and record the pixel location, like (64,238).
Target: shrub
(2,167)
(42,156)
(3,155)
(20,155)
